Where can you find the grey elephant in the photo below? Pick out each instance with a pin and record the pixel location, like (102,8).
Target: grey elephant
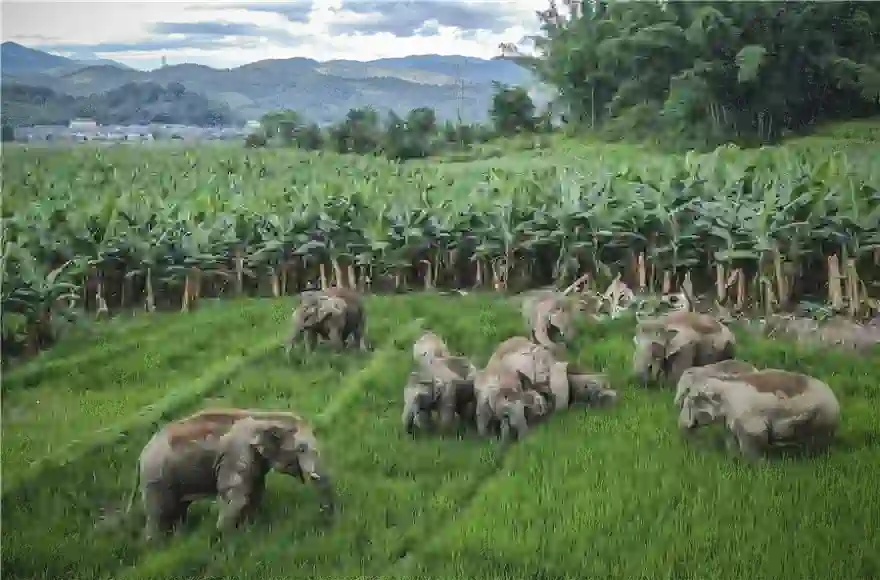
(501,402)
(336,314)
(764,409)
(549,317)
(224,453)
(561,382)
(443,384)
(665,347)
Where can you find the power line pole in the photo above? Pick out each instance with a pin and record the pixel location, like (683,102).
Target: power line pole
(460,84)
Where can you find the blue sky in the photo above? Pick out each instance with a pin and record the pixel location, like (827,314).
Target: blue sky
(223,33)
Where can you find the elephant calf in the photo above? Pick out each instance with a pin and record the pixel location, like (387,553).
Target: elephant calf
(443,384)
(559,381)
(764,409)
(665,347)
(223,453)
(336,314)
(501,401)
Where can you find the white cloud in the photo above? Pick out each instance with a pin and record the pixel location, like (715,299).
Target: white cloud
(106,28)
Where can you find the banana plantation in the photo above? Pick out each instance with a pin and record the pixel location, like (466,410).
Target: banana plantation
(108,230)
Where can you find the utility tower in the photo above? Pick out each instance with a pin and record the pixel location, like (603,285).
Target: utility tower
(459,82)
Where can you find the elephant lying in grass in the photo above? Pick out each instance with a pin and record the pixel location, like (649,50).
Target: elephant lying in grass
(224,453)
(549,317)
(335,314)
(764,409)
(838,333)
(695,376)
(666,346)
(559,381)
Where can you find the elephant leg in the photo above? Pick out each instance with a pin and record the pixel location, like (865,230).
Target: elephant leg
(163,510)
(751,435)
(447,408)
(335,337)
(255,498)
(359,337)
(311,340)
(484,416)
(234,505)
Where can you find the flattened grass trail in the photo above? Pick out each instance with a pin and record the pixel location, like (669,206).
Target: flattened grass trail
(590,494)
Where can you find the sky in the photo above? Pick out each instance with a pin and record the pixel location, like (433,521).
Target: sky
(225,34)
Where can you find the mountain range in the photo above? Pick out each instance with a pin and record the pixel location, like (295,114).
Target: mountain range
(320,91)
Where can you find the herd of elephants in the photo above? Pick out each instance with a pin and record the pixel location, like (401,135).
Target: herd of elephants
(226,453)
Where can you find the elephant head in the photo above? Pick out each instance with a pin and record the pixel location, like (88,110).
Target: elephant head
(418,401)
(662,352)
(591,389)
(314,310)
(560,325)
(699,408)
(293,450)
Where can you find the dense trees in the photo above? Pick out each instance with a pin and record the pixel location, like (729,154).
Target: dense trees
(415,136)
(708,71)
(132,103)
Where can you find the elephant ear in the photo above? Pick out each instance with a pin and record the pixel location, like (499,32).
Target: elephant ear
(525,380)
(677,339)
(267,440)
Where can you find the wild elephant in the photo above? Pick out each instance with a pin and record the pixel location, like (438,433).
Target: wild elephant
(501,402)
(445,386)
(549,318)
(561,382)
(764,409)
(224,453)
(335,314)
(666,346)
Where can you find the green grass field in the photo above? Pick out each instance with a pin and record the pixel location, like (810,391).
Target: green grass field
(590,494)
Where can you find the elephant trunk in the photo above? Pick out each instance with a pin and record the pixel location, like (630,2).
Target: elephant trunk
(326,491)
(685,419)
(513,420)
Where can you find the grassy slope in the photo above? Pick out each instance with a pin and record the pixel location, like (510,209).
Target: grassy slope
(612,494)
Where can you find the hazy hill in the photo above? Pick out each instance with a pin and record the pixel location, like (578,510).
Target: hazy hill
(18,59)
(322,91)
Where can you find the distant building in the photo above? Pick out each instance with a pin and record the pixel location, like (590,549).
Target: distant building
(83,125)
(252,126)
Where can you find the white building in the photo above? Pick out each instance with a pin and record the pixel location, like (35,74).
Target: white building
(83,125)
(252,126)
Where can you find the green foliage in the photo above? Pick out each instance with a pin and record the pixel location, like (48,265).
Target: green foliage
(132,103)
(217,221)
(703,73)
(512,111)
(622,481)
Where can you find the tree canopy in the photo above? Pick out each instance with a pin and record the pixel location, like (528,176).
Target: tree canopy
(715,71)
